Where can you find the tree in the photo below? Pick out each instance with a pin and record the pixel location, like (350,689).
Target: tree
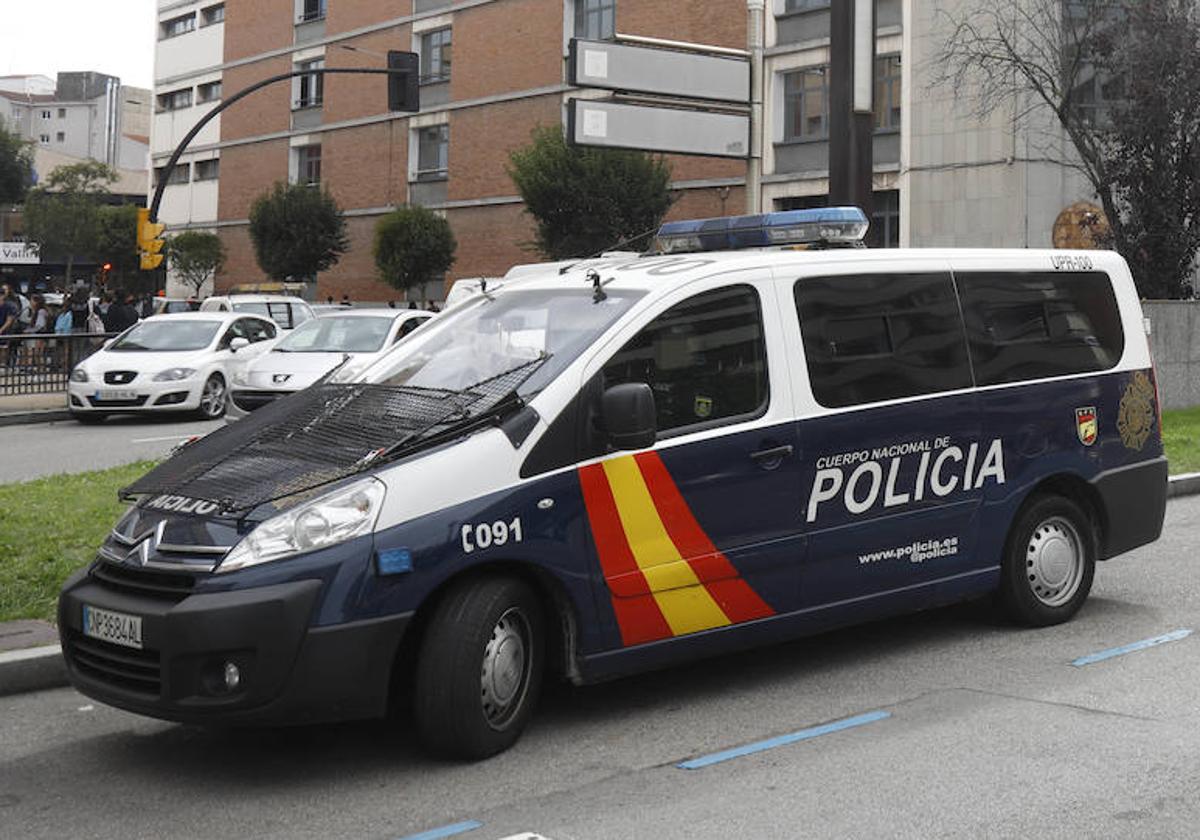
(586,200)
(196,256)
(116,240)
(62,216)
(1117,77)
(16,167)
(413,246)
(296,230)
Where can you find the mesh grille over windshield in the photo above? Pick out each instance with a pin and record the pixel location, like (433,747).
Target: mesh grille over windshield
(323,434)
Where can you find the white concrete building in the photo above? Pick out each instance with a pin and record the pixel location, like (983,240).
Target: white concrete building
(187,85)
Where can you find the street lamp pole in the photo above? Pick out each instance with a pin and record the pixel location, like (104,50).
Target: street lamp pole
(754,44)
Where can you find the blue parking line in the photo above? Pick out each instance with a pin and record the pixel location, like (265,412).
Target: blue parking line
(1173,636)
(444,831)
(782,740)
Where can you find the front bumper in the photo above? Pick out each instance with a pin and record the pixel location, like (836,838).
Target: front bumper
(180,395)
(290,672)
(244,400)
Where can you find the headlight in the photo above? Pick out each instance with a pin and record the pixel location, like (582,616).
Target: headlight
(173,374)
(329,520)
(79,374)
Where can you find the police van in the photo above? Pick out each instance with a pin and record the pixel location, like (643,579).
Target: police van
(756,432)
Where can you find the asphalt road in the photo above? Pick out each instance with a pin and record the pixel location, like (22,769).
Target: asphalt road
(39,449)
(985,731)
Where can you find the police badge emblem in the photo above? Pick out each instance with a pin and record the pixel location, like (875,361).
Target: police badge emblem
(1086,425)
(703,407)
(1135,415)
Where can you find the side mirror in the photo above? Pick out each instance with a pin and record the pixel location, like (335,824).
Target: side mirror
(629,416)
(238,343)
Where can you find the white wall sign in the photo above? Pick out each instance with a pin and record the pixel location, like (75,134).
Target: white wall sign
(19,253)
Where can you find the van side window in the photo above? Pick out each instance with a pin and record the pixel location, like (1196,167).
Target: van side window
(1029,325)
(705,359)
(881,336)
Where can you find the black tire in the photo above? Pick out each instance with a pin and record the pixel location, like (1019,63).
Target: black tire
(479,669)
(89,418)
(212,409)
(1049,562)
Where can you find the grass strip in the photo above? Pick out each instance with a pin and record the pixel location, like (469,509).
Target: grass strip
(1181,439)
(49,527)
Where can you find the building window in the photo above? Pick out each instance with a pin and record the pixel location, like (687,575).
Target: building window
(433,152)
(175,100)
(45,115)
(176,26)
(209,92)
(60,137)
(799,6)
(208,170)
(62,113)
(311,10)
(435,56)
(308,164)
(310,91)
(213,14)
(806,104)
(595,19)
(181,174)
(43,138)
(887,93)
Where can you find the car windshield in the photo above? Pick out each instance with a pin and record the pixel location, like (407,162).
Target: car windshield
(282,313)
(498,333)
(168,334)
(332,334)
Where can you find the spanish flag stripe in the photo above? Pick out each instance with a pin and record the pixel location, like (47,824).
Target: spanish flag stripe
(639,618)
(687,606)
(738,601)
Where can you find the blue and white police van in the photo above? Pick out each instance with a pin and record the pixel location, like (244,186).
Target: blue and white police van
(613,465)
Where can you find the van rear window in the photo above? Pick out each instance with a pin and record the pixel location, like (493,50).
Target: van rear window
(1031,325)
(878,337)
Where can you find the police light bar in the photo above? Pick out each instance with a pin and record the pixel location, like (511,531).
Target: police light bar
(829,225)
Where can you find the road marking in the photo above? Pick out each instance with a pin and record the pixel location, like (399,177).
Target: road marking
(160,439)
(525,835)
(87,708)
(444,831)
(1173,636)
(783,740)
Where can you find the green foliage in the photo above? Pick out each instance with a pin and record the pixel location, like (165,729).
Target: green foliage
(50,527)
(16,167)
(62,216)
(413,245)
(195,255)
(1181,439)
(116,239)
(586,200)
(297,231)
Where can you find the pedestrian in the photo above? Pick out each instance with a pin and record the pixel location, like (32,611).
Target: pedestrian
(329,300)
(9,324)
(391,304)
(346,300)
(412,304)
(39,325)
(80,309)
(121,316)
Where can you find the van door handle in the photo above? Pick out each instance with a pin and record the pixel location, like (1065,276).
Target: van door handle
(770,458)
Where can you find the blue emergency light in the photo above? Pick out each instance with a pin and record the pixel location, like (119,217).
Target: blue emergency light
(822,225)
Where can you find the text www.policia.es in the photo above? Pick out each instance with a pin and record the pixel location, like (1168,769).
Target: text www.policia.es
(917,552)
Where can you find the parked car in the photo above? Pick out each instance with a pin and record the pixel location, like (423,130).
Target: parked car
(168,363)
(169,306)
(314,348)
(286,311)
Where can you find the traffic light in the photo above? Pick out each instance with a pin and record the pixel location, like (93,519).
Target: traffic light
(149,240)
(403,91)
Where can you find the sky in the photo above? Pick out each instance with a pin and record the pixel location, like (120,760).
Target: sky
(49,36)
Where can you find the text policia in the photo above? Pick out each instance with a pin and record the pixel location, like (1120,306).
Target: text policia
(942,468)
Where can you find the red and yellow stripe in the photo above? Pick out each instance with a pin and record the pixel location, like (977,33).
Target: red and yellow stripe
(664,574)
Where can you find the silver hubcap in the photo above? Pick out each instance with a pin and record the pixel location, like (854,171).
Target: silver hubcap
(505,673)
(1054,561)
(212,400)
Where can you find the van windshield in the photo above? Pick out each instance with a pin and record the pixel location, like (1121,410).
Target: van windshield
(496,334)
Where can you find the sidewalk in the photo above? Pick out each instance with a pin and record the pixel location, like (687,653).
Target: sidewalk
(33,408)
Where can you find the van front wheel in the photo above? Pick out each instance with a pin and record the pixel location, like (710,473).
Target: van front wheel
(1049,562)
(479,669)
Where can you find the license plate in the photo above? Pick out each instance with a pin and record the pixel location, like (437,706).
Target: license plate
(113,394)
(115,627)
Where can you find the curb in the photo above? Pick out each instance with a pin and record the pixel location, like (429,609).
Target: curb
(41,668)
(32,669)
(43,416)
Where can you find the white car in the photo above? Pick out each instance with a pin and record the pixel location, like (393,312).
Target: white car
(286,311)
(168,363)
(314,348)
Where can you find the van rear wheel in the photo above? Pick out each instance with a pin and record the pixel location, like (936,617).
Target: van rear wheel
(479,669)
(1049,562)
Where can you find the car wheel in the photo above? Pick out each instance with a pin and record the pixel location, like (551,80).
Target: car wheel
(89,418)
(1049,562)
(479,669)
(213,398)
